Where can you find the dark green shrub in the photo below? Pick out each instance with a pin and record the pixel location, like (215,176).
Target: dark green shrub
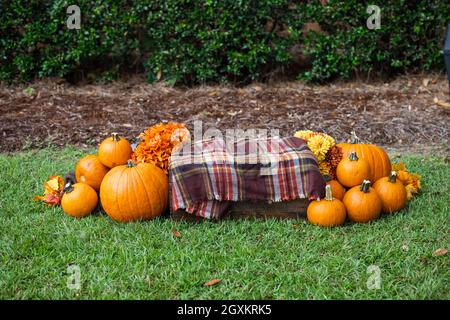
(195,41)
(410,38)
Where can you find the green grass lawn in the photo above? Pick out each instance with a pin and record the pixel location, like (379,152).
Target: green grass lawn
(255,259)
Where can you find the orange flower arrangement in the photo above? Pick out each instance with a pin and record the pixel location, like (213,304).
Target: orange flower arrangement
(53,190)
(157,143)
(333,157)
(411,181)
(324,148)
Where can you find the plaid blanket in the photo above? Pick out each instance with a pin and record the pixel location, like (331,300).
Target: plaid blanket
(205,176)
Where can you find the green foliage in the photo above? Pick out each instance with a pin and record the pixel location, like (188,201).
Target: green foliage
(190,41)
(411,38)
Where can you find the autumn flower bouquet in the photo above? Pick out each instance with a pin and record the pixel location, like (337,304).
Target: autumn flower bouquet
(157,143)
(324,148)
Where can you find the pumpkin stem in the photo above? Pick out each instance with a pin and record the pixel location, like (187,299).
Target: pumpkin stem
(130,164)
(354,139)
(393,177)
(353,156)
(365,186)
(328,193)
(68,185)
(115,136)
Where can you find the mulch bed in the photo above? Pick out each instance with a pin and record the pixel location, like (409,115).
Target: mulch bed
(398,114)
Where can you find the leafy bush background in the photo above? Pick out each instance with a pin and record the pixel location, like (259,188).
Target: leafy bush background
(195,41)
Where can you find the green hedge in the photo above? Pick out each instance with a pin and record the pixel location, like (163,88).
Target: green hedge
(195,41)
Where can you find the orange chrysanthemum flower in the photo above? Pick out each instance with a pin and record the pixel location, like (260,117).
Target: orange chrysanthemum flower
(158,142)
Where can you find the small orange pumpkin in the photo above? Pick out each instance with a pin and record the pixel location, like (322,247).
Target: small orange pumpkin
(134,192)
(337,189)
(327,212)
(114,151)
(363,203)
(380,165)
(352,171)
(392,193)
(79,199)
(91,171)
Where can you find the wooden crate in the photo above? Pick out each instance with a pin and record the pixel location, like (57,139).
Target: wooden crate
(295,209)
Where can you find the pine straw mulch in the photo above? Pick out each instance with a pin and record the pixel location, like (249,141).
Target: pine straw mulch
(399,114)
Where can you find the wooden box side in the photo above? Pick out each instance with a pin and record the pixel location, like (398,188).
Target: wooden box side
(295,209)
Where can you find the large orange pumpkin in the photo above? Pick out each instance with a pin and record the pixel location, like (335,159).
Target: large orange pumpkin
(337,190)
(376,157)
(114,151)
(363,203)
(352,171)
(91,171)
(79,199)
(392,193)
(327,212)
(134,192)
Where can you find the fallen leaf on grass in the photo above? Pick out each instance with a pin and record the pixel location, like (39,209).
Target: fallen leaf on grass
(442,104)
(176,233)
(425,82)
(212,282)
(440,252)
(296,226)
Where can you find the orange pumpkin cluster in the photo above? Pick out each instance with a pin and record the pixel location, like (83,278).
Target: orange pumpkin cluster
(361,164)
(158,142)
(411,181)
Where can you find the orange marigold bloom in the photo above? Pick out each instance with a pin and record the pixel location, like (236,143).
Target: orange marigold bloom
(157,143)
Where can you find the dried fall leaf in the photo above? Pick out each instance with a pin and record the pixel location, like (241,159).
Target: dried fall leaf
(440,252)
(176,233)
(52,191)
(212,282)
(442,104)
(426,81)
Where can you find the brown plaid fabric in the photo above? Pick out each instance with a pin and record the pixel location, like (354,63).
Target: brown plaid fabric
(205,176)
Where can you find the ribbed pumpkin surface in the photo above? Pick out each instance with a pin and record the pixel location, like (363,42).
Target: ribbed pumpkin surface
(130,193)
